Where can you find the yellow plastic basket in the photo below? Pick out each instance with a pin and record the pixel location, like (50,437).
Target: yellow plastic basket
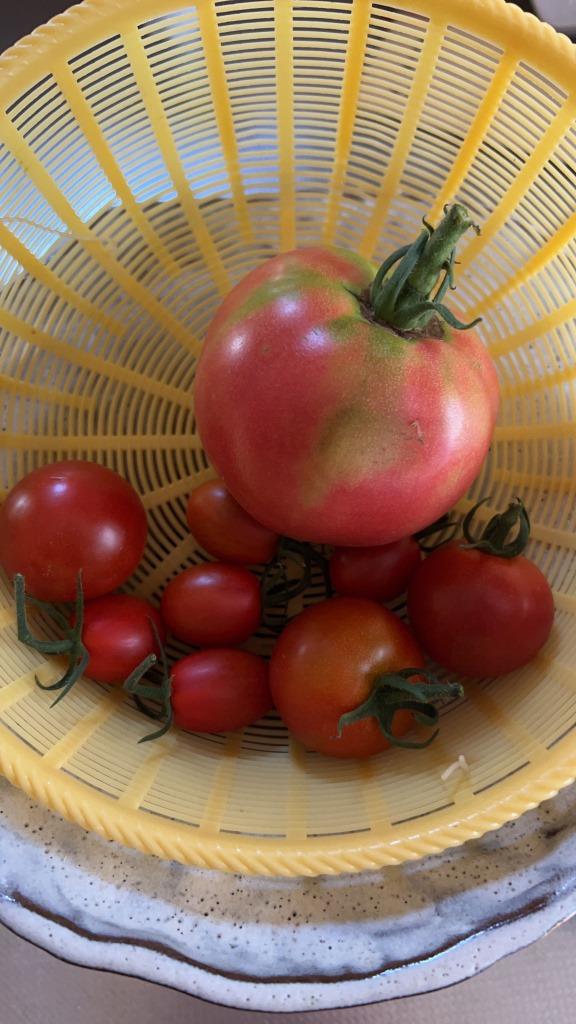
(151,152)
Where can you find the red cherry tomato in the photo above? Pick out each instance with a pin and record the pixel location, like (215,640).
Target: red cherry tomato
(225,530)
(478,614)
(325,665)
(219,690)
(212,605)
(67,517)
(118,635)
(379,573)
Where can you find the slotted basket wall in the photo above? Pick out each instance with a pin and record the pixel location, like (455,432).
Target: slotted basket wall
(150,154)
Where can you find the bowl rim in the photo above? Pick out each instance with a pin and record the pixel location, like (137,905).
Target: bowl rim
(491,936)
(22,65)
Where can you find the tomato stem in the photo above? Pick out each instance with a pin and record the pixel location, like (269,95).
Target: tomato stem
(79,659)
(71,643)
(494,539)
(278,590)
(440,526)
(160,693)
(311,555)
(410,296)
(394,692)
(25,635)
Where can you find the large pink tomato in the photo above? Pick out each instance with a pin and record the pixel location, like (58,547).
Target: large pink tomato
(343,407)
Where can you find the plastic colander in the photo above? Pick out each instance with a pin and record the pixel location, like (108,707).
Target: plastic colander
(151,153)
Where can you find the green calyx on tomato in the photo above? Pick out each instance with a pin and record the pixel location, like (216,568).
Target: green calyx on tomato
(279,587)
(411,296)
(445,529)
(213,690)
(495,538)
(159,694)
(394,692)
(70,645)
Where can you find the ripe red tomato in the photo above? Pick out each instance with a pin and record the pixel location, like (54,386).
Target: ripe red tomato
(212,605)
(325,664)
(339,408)
(478,614)
(67,517)
(225,530)
(379,573)
(481,608)
(219,690)
(118,635)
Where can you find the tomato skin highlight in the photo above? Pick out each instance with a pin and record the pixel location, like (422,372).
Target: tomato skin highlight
(212,605)
(324,665)
(478,614)
(338,429)
(71,516)
(378,573)
(219,690)
(118,635)
(225,530)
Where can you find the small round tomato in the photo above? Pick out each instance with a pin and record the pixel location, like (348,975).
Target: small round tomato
(326,664)
(118,635)
(379,573)
(219,690)
(212,605)
(225,530)
(479,613)
(69,517)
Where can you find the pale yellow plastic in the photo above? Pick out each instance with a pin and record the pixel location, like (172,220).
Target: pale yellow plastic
(153,151)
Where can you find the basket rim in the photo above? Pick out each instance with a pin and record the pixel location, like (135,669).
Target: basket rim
(267,856)
(549,50)
(21,66)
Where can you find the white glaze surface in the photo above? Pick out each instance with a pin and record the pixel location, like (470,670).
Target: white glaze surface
(286,944)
